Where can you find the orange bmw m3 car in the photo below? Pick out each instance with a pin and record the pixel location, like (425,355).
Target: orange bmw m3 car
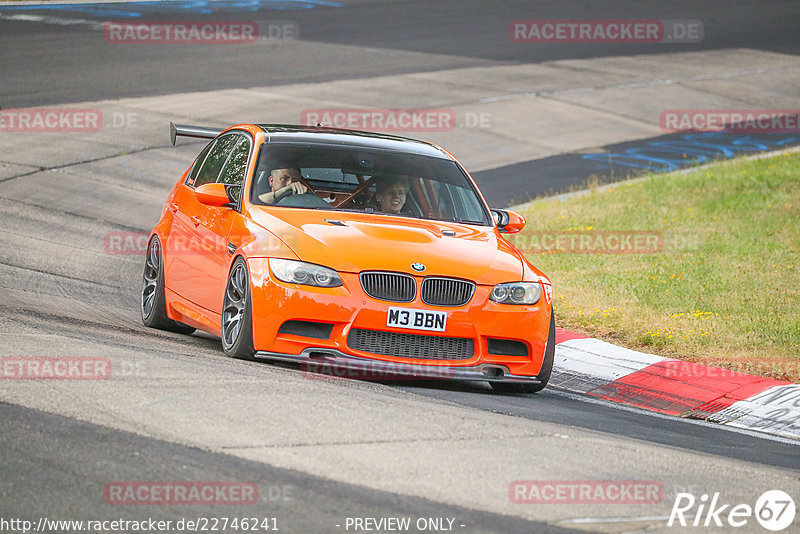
(346,249)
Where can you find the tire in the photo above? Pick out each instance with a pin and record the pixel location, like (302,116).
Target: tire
(237,313)
(153,304)
(544,373)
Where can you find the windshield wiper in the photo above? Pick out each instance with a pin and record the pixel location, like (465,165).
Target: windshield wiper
(353,210)
(458,220)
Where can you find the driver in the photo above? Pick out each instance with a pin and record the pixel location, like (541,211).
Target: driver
(284,181)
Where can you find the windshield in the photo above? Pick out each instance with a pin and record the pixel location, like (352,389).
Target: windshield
(366,180)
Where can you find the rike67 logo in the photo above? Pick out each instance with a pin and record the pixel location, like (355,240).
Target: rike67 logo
(774,510)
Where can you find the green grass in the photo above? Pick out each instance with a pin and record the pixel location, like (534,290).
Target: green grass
(725,288)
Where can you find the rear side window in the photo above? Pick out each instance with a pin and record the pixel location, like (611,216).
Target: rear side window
(198,163)
(216,158)
(234,170)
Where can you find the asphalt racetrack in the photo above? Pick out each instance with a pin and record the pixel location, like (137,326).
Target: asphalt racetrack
(328,453)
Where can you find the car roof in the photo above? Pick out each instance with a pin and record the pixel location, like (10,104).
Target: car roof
(287,133)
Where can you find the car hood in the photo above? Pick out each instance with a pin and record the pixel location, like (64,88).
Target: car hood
(355,242)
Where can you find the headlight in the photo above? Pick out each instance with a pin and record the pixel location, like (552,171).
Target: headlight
(300,272)
(517,293)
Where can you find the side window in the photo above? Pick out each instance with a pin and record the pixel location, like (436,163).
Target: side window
(197,164)
(216,159)
(466,206)
(236,166)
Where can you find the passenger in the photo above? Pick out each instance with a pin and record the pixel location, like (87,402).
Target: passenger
(284,181)
(390,195)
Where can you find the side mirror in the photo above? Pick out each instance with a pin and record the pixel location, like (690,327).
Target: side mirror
(219,195)
(508,222)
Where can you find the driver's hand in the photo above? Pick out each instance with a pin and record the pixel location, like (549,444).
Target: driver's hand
(297,188)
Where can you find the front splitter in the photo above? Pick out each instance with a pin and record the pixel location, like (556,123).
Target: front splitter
(336,363)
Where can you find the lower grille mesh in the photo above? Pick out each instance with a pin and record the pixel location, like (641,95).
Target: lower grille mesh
(417,346)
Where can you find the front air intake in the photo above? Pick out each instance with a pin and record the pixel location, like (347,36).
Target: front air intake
(417,346)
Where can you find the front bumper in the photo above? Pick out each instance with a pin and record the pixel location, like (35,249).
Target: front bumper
(347,308)
(336,363)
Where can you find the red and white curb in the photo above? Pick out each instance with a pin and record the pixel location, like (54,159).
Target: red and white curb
(675,387)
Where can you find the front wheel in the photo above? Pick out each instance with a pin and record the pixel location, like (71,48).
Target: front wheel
(237,315)
(153,302)
(544,373)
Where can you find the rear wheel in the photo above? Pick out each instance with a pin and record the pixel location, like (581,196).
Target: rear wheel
(237,315)
(153,302)
(544,374)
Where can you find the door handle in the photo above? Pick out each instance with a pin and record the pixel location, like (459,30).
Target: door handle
(173,207)
(196,221)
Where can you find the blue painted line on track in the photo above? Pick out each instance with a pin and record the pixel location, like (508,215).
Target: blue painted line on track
(690,149)
(199,7)
(520,182)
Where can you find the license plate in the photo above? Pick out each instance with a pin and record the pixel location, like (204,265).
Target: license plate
(417,319)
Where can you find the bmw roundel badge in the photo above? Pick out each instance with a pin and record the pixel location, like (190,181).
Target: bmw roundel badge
(418,267)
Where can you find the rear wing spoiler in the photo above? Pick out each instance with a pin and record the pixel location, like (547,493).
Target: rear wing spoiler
(184,130)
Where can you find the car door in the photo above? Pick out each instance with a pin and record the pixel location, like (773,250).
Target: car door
(193,239)
(216,224)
